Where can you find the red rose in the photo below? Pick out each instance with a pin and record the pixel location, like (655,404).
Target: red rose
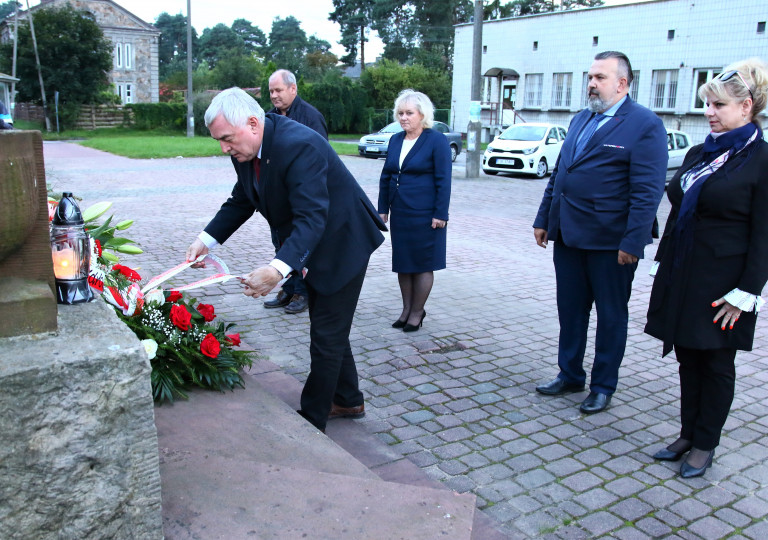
(127,272)
(174,295)
(206,310)
(180,317)
(210,346)
(233,339)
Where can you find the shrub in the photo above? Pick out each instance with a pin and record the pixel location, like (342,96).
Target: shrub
(159,115)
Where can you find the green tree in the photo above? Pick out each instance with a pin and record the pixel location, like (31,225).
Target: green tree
(355,17)
(75,58)
(172,47)
(7,8)
(386,79)
(342,102)
(287,45)
(254,40)
(235,69)
(218,42)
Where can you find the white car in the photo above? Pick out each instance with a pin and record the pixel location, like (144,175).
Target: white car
(678,144)
(525,148)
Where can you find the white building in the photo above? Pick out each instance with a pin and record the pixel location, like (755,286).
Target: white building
(535,66)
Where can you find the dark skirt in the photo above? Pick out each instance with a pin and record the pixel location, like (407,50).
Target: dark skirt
(416,246)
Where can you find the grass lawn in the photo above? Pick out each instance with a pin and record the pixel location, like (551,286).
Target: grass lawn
(138,144)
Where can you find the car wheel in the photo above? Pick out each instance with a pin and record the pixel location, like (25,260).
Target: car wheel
(541,168)
(489,171)
(454,152)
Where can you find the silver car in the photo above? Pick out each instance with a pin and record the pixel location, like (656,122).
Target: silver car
(678,144)
(375,145)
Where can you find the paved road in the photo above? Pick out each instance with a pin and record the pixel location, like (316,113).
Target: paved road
(458,396)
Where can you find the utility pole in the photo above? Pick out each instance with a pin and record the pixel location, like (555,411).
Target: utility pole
(190,110)
(12,104)
(474,127)
(39,71)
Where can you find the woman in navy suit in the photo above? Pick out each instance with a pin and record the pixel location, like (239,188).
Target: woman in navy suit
(712,261)
(415,188)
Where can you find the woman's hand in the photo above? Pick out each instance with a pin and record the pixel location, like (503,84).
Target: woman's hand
(438,223)
(383,217)
(728,312)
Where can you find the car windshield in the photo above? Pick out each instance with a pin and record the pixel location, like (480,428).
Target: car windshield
(394,127)
(524,133)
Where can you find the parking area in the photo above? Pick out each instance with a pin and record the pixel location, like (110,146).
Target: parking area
(457,397)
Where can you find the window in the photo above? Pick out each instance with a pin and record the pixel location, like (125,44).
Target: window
(701,76)
(761,27)
(584,91)
(485,49)
(561,90)
(664,89)
(535,45)
(594,41)
(118,55)
(634,85)
(128,93)
(670,35)
(533,87)
(128,56)
(561,131)
(681,141)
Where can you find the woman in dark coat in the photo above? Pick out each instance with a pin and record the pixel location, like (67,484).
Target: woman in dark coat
(712,261)
(415,188)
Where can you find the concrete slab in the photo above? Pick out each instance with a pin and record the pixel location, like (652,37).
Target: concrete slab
(269,501)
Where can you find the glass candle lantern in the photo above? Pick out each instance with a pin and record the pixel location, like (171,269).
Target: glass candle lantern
(70,250)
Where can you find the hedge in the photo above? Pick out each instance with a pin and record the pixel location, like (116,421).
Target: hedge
(159,115)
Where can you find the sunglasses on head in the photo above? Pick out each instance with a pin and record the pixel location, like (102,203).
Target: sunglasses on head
(730,74)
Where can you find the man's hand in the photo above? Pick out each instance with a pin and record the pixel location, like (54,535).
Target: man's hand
(438,223)
(196,249)
(541,237)
(626,258)
(261,281)
(383,217)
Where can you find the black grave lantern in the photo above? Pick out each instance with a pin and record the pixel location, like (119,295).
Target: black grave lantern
(70,249)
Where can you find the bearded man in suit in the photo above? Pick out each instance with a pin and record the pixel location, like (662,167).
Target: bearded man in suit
(325,224)
(599,208)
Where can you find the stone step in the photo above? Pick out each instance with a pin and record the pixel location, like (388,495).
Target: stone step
(244,464)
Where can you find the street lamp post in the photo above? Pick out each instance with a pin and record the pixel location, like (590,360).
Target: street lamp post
(190,110)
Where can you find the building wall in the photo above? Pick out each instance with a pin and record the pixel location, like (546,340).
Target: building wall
(138,80)
(706,36)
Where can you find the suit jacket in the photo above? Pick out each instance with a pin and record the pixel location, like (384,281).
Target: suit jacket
(606,198)
(424,180)
(729,250)
(324,220)
(306,114)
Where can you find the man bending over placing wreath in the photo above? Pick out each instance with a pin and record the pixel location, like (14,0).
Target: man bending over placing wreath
(325,224)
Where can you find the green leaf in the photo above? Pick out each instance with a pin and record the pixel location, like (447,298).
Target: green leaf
(95,211)
(99,231)
(116,242)
(124,224)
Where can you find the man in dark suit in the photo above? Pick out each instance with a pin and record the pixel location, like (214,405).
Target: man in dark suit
(599,207)
(325,224)
(284,96)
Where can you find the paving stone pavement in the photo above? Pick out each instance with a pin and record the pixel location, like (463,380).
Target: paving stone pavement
(457,397)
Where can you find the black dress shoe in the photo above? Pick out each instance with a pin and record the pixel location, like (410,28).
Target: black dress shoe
(414,327)
(297,304)
(595,403)
(399,324)
(282,299)
(686,471)
(346,412)
(558,387)
(669,455)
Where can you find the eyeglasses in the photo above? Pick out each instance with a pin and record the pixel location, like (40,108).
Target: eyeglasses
(729,75)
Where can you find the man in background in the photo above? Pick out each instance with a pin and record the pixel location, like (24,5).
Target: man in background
(286,101)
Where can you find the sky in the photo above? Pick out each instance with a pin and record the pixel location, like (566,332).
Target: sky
(312,14)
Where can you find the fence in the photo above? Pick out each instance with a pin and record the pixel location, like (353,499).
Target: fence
(103,116)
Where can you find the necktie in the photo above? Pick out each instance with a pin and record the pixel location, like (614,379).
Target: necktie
(587,133)
(257,168)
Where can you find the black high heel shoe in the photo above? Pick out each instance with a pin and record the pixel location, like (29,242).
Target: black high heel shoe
(414,327)
(668,455)
(399,324)
(687,471)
